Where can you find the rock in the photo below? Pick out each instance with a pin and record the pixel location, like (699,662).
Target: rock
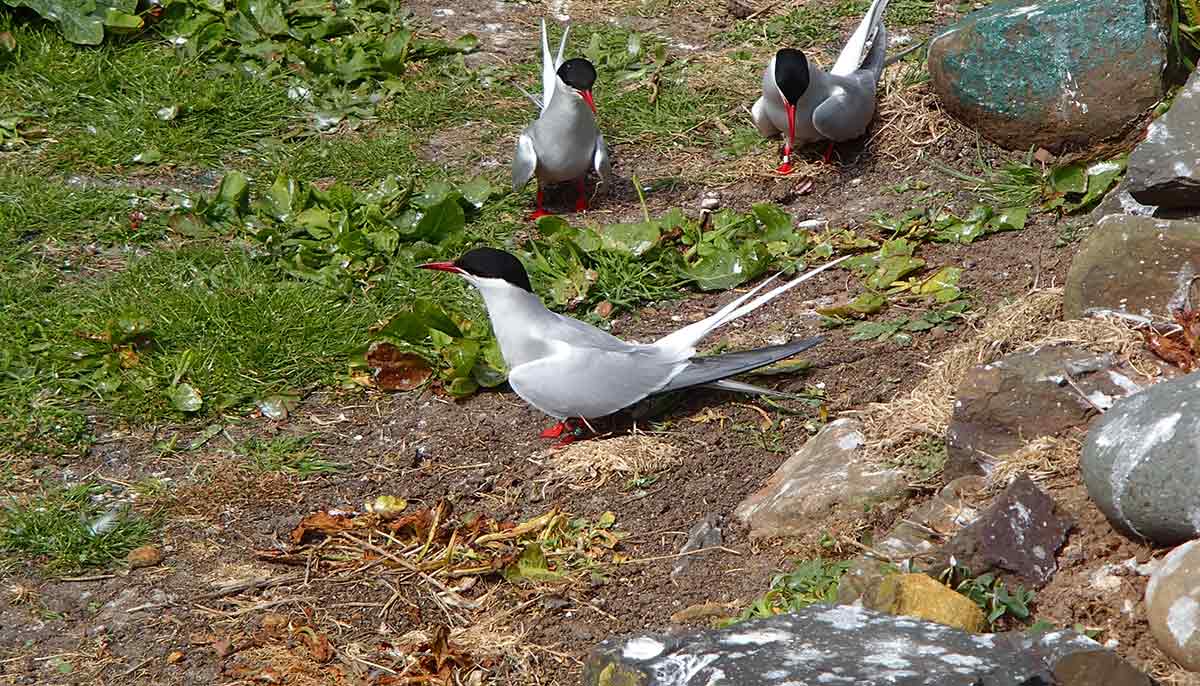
(1054,73)
(1164,170)
(706,534)
(1119,201)
(145,556)
(862,577)
(999,407)
(1173,605)
(1019,534)
(839,644)
(1097,668)
(921,596)
(1139,463)
(828,471)
(1136,264)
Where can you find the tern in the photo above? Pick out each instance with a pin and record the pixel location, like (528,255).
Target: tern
(573,371)
(811,105)
(564,143)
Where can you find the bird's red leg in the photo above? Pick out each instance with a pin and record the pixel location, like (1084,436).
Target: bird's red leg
(829,152)
(554,431)
(581,201)
(540,211)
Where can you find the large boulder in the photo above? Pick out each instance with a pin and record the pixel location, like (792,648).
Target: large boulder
(840,644)
(1139,265)
(1164,170)
(1054,73)
(831,470)
(1140,464)
(1173,605)
(999,407)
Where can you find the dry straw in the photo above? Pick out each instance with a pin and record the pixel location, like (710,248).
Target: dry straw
(593,463)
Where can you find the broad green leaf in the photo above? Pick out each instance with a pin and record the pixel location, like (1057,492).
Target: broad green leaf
(150,155)
(632,239)
(476,191)
(776,223)
(865,304)
(1069,179)
(531,567)
(395,52)
(441,220)
(892,269)
(1009,219)
(942,284)
(122,22)
(269,16)
(278,199)
(184,397)
(461,387)
(879,331)
(234,190)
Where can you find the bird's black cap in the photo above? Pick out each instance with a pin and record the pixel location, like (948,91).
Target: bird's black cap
(490,263)
(791,74)
(579,74)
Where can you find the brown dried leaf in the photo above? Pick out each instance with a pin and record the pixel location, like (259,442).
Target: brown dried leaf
(321,523)
(1172,351)
(395,370)
(317,643)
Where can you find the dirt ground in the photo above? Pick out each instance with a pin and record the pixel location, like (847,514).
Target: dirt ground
(173,623)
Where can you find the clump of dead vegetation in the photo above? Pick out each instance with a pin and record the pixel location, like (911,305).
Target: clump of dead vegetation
(590,464)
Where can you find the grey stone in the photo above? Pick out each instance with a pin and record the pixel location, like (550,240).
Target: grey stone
(1173,605)
(705,534)
(1139,265)
(1140,464)
(1055,73)
(838,644)
(1119,201)
(1019,534)
(828,471)
(1097,668)
(999,407)
(1164,169)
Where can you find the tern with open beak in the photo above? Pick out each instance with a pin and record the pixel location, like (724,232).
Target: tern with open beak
(573,371)
(806,104)
(565,142)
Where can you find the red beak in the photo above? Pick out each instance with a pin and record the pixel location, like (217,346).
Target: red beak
(441,267)
(587,97)
(791,115)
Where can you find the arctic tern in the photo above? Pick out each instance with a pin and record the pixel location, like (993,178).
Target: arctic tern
(564,142)
(807,104)
(571,370)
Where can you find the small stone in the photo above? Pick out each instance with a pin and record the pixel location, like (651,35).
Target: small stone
(695,613)
(1020,534)
(1173,605)
(274,623)
(223,647)
(918,595)
(145,556)
(1097,668)
(1139,463)
(828,471)
(705,534)
(174,656)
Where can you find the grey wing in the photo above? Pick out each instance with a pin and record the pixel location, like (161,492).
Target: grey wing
(524,162)
(600,160)
(845,115)
(583,382)
(582,334)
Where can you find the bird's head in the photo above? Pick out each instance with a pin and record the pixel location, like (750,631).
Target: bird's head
(791,75)
(487,267)
(580,76)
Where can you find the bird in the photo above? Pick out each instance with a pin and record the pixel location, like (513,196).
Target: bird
(564,143)
(808,104)
(574,372)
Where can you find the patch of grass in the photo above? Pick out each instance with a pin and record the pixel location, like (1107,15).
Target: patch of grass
(102,104)
(818,25)
(290,454)
(810,582)
(67,529)
(35,207)
(237,328)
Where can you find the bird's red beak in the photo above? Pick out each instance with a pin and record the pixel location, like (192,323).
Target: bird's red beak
(441,267)
(587,97)
(786,166)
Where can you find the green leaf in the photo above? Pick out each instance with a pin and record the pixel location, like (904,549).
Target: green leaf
(441,220)
(866,331)
(234,190)
(148,156)
(1009,219)
(269,16)
(476,191)
(184,397)
(1069,179)
(531,567)
(865,304)
(777,224)
(395,52)
(122,22)
(892,269)
(631,239)
(942,284)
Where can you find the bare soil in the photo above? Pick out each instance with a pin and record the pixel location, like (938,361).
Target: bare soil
(166,625)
